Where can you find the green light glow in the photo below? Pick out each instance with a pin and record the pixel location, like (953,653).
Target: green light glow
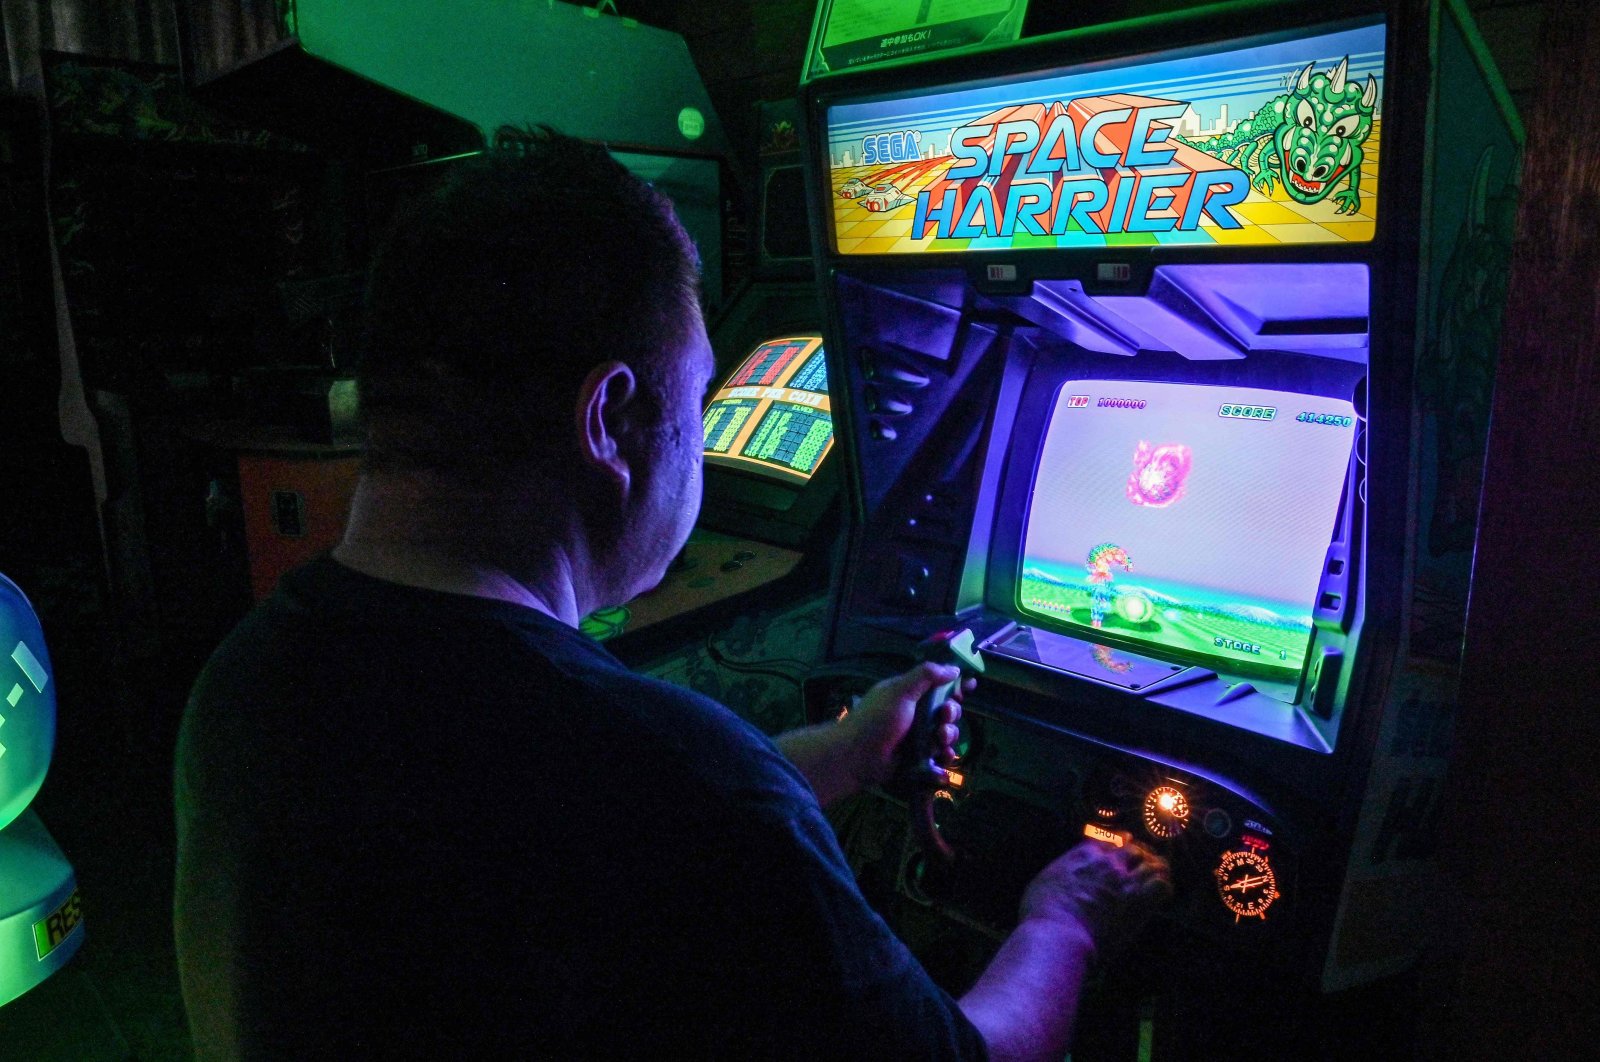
(602,78)
(41,919)
(606,622)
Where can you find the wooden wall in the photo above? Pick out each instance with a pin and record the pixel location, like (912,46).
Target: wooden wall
(1522,777)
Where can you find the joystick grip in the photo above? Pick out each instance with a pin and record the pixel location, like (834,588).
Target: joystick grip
(917,776)
(916,772)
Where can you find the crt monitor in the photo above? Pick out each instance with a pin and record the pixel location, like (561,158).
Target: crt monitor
(1174,505)
(768,433)
(1186,520)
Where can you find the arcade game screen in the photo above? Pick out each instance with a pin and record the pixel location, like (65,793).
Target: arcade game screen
(1193,519)
(771,416)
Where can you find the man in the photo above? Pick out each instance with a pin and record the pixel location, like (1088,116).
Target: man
(421,816)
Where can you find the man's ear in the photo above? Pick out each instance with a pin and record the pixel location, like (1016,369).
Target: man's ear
(607,406)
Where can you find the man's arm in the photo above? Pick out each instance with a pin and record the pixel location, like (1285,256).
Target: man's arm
(840,759)
(1080,907)
(820,754)
(1086,903)
(1026,1002)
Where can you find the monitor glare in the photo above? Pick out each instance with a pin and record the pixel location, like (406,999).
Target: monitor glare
(771,416)
(1190,519)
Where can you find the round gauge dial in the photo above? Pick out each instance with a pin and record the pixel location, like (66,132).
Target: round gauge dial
(1246,883)
(1166,812)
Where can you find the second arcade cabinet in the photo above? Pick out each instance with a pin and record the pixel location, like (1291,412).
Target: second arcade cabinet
(765,546)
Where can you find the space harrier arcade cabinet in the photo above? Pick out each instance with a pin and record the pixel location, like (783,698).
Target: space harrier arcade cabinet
(1165,373)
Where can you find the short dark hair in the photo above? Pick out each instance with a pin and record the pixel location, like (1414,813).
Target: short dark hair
(493,298)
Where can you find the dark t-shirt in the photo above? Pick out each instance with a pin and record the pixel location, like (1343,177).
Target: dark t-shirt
(417,824)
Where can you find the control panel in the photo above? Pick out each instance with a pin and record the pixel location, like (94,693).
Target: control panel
(711,569)
(1024,792)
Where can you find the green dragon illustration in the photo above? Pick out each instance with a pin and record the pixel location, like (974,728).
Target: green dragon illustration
(1309,138)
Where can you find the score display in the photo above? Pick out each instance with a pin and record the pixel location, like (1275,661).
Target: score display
(772,416)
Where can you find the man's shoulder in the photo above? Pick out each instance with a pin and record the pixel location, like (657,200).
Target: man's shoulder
(701,741)
(329,653)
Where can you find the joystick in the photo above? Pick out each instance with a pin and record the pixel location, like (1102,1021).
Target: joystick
(918,777)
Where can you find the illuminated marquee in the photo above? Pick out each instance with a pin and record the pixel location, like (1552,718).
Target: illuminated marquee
(901,146)
(1108,163)
(1263,143)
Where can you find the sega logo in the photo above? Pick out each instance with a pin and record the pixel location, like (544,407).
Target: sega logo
(1121,403)
(904,146)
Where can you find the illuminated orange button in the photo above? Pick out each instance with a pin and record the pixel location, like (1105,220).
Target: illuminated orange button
(1100,833)
(956,778)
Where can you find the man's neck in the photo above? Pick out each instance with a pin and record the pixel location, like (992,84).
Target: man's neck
(397,563)
(404,531)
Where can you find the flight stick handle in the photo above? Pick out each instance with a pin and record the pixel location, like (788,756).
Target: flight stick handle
(917,775)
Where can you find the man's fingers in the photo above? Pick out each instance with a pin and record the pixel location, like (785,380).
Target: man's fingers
(1140,858)
(948,733)
(1148,873)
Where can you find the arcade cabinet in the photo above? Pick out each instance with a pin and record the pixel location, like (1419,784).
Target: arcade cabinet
(1160,355)
(780,293)
(763,548)
(41,923)
(762,533)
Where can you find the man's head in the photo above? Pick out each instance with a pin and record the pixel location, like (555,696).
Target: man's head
(534,338)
